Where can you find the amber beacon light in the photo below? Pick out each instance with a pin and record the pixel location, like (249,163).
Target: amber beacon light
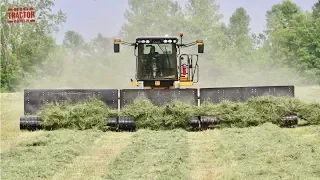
(117,41)
(199,42)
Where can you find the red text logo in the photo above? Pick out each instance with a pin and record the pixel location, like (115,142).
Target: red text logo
(17,15)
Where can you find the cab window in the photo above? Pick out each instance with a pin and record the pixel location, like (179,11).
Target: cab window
(160,48)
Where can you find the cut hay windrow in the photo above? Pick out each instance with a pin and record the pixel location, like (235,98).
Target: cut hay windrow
(256,111)
(83,115)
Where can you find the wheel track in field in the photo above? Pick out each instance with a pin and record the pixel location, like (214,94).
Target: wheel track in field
(94,163)
(201,158)
(153,155)
(7,144)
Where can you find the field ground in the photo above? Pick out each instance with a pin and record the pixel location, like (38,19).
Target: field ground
(264,152)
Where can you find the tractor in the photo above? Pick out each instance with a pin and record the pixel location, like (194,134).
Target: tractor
(162,76)
(159,64)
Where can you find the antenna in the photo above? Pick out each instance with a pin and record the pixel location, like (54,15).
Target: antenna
(181,34)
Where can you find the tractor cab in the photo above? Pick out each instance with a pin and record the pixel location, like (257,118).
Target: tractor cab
(159,63)
(156,58)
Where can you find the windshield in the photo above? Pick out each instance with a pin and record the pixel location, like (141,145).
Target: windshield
(160,48)
(156,61)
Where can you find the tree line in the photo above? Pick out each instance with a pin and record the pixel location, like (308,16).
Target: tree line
(290,42)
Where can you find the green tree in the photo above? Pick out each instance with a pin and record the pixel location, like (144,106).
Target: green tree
(293,36)
(280,32)
(75,44)
(314,44)
(316,10)
(240,43)
(102,45)
(239,25)
(101,49)
(203,21)
(151,18)
(262,49)
(25,46)
(280,15)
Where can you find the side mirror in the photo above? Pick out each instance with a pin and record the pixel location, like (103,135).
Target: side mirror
(200,48)
(116,45)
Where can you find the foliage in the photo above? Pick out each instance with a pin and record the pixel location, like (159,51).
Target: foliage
(287,52)
(75,44)
(294,35)
(240,43)
(151,18)
(25,47)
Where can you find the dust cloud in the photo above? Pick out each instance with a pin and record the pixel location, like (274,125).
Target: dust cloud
(114,71)
(251,75)
(110,72)
(222,72)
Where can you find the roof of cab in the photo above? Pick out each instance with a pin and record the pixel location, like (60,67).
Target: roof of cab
(156,37)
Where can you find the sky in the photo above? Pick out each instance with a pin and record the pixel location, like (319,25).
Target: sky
(90,17)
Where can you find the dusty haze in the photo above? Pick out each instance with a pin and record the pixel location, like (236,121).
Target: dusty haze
(117,71)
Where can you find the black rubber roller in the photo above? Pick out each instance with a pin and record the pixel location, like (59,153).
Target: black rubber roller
(126,123)
(208,121)
(112,121)
(195,122)
(290,121)
(30,123)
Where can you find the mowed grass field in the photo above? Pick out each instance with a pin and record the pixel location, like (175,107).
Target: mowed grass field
(264,152)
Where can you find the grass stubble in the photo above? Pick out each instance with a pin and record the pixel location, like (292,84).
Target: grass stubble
(153,155)
(263,152)
(43,156)
(95,162)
